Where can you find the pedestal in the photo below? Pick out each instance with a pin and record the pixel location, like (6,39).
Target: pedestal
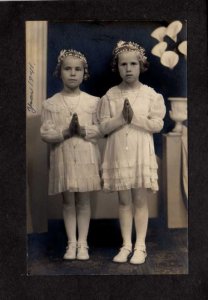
(176,214)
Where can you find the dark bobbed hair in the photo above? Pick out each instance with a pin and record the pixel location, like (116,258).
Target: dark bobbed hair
(144,65)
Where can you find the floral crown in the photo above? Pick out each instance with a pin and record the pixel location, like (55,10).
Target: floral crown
(70,52)
(123,46)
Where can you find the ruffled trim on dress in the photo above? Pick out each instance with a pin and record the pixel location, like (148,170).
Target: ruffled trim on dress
(56,103)
(126,185)
(148,91)
(79,179)
(137,176)
(90,103)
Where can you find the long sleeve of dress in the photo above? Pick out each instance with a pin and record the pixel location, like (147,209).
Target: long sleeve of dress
(103,123)
(108,123)
(100,130)
(154,121)
(93,131)
(50,133)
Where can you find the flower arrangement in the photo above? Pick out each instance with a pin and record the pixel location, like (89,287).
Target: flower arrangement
(169,47)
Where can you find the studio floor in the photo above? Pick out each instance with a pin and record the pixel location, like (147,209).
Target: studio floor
(167,251)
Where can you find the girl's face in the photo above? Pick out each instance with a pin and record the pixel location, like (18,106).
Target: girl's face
(72,72)
(129,67)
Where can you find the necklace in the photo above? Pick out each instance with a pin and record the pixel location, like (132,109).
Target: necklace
(71,107)
(128,91)
(127,126)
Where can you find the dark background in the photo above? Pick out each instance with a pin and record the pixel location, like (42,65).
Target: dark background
(96,39)
(14,283)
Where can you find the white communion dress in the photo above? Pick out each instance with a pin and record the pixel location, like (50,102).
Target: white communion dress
(129,158)
(74,162)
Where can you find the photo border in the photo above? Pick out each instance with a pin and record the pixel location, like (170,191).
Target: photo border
(14,280)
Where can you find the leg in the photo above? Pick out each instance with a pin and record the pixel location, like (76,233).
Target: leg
(69,215)
(125,218)
(141,221)
(83,221)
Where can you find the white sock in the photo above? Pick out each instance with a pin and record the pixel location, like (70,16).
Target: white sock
(69,215)
(125,217)
(140,216)
(83,216)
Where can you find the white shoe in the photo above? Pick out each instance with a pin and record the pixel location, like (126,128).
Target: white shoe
(139,255)
(123,255)
(82,252)
(71,250)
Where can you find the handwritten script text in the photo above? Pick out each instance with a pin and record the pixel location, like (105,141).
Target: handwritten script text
(30,82)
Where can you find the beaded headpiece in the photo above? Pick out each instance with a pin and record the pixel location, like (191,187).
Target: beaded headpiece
(70,52)
(123,46)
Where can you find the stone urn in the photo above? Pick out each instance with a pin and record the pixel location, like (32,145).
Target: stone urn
(178,113)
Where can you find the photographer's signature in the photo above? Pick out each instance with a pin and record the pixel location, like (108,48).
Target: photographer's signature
(30,82)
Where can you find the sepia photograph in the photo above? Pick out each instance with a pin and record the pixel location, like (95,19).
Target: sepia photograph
(106,147)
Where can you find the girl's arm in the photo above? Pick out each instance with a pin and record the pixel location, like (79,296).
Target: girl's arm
(104,128)
(49,132)
(154,122)
(103,123)
(92,132)
(108,124)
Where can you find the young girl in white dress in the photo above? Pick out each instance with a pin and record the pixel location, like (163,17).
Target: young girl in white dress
(129,166)
(74,159)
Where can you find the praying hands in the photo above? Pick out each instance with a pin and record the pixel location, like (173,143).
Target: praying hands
(127,111)
(74,128)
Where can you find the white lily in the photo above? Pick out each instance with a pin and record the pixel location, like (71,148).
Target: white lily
(173,29)
(159,33)
(182,47)
(159,49)
(169,59)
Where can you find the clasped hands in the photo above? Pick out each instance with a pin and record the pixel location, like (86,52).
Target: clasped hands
(74,128)
(127,111)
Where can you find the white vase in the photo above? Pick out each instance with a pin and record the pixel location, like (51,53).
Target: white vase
(178,113)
